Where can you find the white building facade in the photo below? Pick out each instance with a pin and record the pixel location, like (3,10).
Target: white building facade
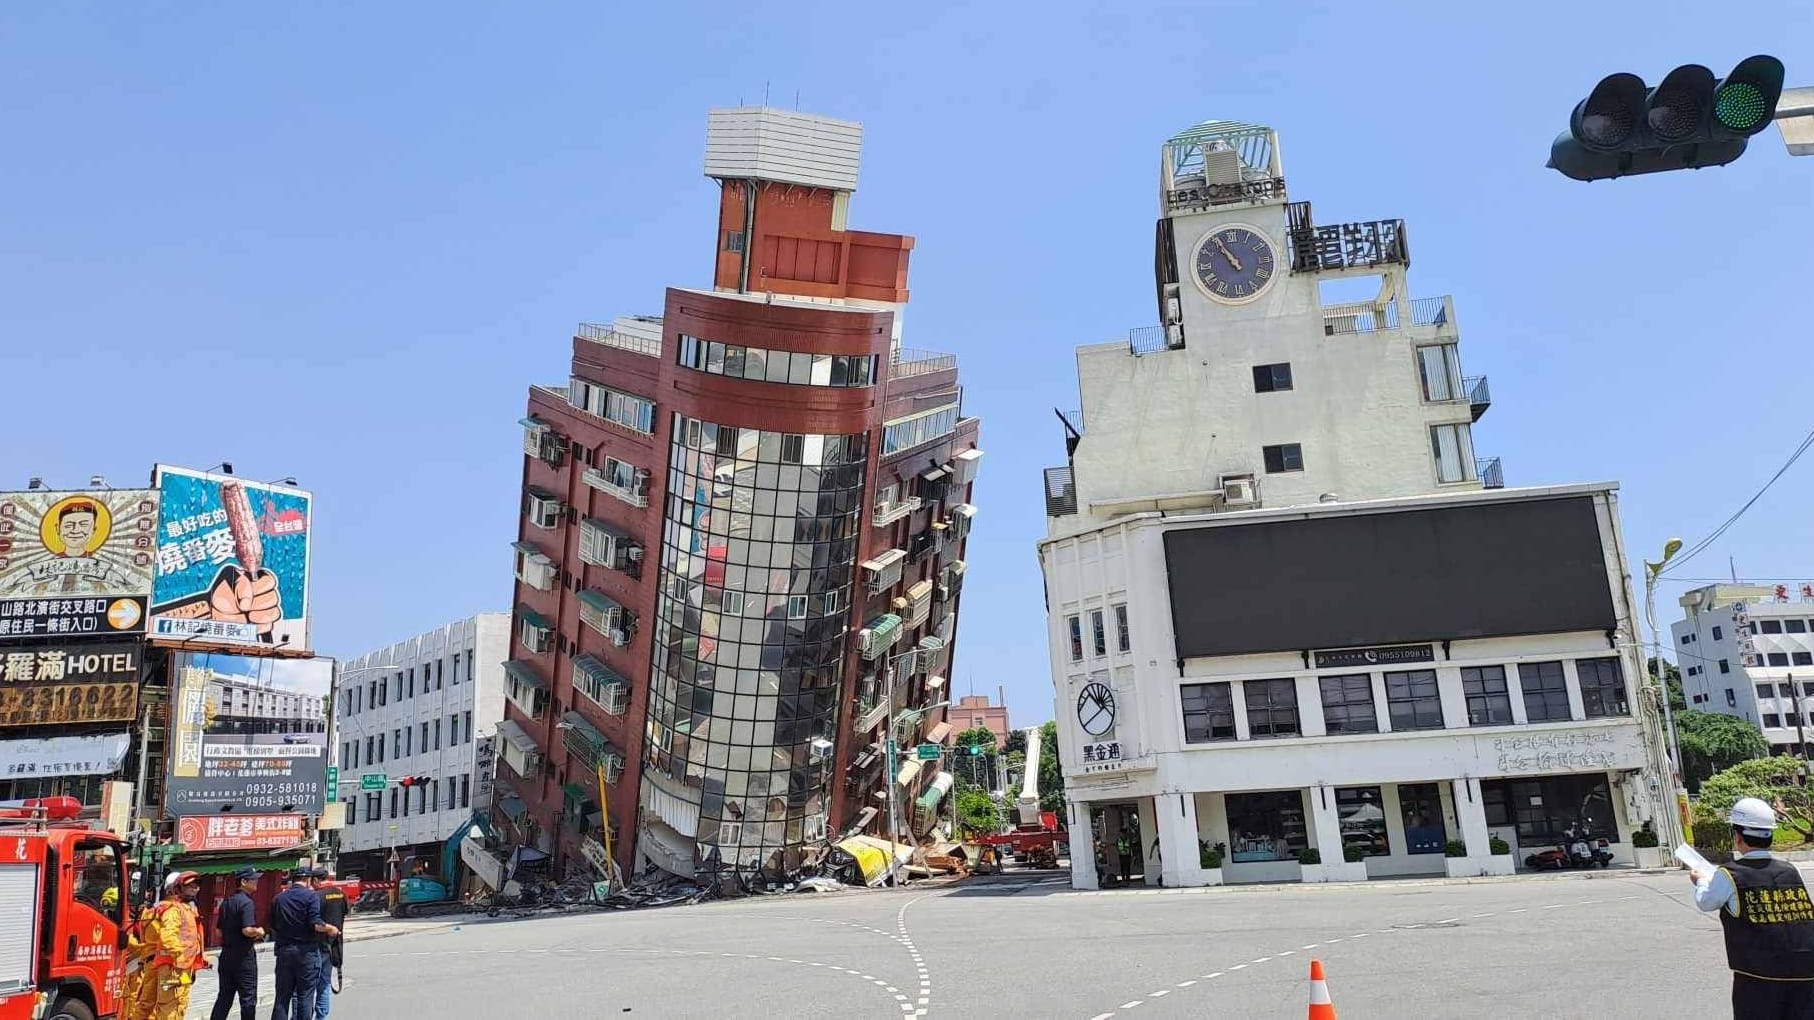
(1298,629)
(1748,651)
(422,709)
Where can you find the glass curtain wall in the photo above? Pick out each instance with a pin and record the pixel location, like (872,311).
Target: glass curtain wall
(758,557)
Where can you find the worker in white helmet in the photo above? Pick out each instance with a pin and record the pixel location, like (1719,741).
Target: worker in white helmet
(1767,917)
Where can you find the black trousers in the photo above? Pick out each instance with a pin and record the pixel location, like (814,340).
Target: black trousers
(1757,999)
(238,977)
(297,972)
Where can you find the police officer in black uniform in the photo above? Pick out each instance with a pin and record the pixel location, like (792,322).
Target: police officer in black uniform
(239,938)
(330,959)
(296,928)
(1768,920)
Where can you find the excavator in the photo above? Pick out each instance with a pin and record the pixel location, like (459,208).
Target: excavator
(421,895)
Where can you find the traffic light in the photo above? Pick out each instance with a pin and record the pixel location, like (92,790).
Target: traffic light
(1687,121)
(410,781)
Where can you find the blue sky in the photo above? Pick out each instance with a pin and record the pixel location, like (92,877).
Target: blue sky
(339,240)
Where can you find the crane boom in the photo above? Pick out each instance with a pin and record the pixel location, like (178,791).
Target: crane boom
(1028,804)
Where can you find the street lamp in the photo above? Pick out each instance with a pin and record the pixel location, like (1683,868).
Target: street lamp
(1652,573)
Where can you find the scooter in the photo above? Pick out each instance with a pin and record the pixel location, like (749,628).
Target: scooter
(1584,852)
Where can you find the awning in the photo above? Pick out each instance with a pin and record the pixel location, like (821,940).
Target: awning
(964,510)
(885,560)
(910,770)
(933,475)
(920,590)
(882,629)
(597,600)
(523,673)
(938,733)
(543,494)
(513,807)
(43,757)
(533,618)
(260,861)
(598,671)
(575,793)
(584,741)
(933,683)
(864,817)
(956,567)
(972,454)
(517,737)
(941,785)
(608,528)
(532,422)
(529,549)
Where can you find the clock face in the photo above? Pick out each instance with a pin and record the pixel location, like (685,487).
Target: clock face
(1234,263)
(1096,709)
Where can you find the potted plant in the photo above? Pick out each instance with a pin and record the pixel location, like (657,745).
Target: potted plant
(1353,867)
(1455,848)
(1500,847)
(1645,848)
(1310,865)
(1209,859)
(1460,865)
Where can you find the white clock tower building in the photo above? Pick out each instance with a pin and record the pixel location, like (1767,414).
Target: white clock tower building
(1298,627)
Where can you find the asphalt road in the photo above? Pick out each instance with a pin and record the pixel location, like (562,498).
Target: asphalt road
(1613,946)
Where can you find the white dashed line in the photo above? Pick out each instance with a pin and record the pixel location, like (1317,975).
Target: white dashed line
(1217,974)
(1102,1016)
(1187,984)
(1238,966)
(1448,920)
(1289,952)
(1131,1005)
(1155,995)
(1312,945)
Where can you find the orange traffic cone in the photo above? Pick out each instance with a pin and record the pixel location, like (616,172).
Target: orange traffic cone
(1320,1006)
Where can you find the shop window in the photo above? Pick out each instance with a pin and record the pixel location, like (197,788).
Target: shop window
(1363,816)
(1420,805)
(1209,712)
(1266,826)
(1413,701)
(1545,692)
(1602,687)
(1272,708)
(1348,704)
(1489,703)
(1542,808)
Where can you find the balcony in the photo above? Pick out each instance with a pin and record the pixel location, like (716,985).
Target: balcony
(951,583)
(923,544)
(1491,476)
(606,687)
(888,513)
(879,635)
(907,362)
(636,493)
(1378,316)
(1479,396)
(917,604)
(588,747)
(868,717)
(883,572)
(1061,492)
(610,337)
(933,654)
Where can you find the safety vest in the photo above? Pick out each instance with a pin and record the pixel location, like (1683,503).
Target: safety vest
(1772,935)
(175,941)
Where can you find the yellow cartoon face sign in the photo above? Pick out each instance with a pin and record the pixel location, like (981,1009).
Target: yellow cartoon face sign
(75,526)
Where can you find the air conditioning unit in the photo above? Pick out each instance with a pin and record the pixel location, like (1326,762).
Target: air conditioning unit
(1173,313)
(1240,490)
(620,638)
(1174,336)
(641,485)
(633,553)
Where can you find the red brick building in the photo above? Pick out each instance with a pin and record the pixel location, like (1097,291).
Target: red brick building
(973,710)
(743,527)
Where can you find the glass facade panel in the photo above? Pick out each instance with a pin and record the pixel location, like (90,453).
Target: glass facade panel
(759,547)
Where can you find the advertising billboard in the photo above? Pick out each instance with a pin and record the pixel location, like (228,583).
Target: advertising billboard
(75,682)
(75,563)
(232,560)
(248,734)
(239,832)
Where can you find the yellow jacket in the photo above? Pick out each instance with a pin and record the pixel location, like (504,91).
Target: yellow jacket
(173,938)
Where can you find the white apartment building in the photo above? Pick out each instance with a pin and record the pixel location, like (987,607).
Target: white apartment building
(1748,651)
(420,708)
(1290,609)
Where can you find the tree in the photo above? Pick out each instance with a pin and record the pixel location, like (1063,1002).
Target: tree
(1778,781)
(1051,777)
(1711,742)
(977,769)
(1672,679)
(977,812)
(1017,741)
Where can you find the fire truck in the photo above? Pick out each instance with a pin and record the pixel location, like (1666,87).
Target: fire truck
(64,901)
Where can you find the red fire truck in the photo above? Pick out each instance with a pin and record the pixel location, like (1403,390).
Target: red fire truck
(64,899)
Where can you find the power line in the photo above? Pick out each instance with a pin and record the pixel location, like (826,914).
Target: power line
(1701,546)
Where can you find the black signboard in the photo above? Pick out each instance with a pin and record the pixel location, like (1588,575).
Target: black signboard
(248,735)
(1390,655)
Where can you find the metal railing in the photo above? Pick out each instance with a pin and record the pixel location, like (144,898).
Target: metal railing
(1074,419)
(1491,475)
(1431,311)
(1373,317)
(622,341)
(1146,340)
(907,361)
(1061,492)
(886,515)
(1480,397)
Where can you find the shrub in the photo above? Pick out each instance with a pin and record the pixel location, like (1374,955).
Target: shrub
(1209,856)
(1310,856)
(1353,854)
(1501,847)
(1644,838)
(1456,848)
(1778,781)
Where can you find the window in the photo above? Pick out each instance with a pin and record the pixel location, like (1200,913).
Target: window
(1542,808)
(1075,624)
(1284,457)
(368,750)
(1765,691)
(1489,703)
(1272,378)
(423,744)
(1602,687)
(1266,826)
(1099,640)
(437,734)
(1718,634)
(799,368)
(1362,813)
(1770,626)
(468,726)
(1779,658)
(1801,658)
(1412,700)
(1272,708)
(1731,698)
(1453,446)
(919,429)
(1685,639)
(1123,642)
(465,791)
(1348,704)
(1795,627)
(733,241)
(394,790)
(1439,366)
(1771,719)
(733,603)
(1725,667)
(1545,691)
(1209,712)
(796,607)
(1420,805)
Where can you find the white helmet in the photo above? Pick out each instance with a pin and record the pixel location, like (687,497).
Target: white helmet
(1753,816)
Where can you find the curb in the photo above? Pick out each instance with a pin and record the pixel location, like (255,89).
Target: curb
(1384,883)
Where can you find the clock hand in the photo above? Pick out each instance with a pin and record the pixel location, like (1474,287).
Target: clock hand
(1229,255)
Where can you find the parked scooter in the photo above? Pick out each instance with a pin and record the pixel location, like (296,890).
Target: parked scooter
(1585,851)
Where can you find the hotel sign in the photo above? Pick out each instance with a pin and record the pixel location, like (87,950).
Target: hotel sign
(1387,655)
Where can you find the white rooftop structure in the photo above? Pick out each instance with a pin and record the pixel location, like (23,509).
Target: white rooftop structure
(785,146)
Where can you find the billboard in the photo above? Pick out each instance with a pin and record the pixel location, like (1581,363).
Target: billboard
(76,682)
(239,832)
(248,734)
(1525,566)
(232,560)
(76,563)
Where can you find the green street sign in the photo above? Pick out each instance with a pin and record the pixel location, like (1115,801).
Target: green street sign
(374,781)
(926,752)
(333,779)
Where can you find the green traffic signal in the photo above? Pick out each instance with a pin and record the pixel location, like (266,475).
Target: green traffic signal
(1688,121)
(1740,106)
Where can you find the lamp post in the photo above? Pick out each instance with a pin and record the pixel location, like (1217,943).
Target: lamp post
(1652,573)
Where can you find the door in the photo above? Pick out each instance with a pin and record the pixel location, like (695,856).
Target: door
(88,931)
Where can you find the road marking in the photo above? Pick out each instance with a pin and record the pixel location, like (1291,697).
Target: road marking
(1155,995)
(1519,910)
(1552,906)
(1217,974)
(1187,984)
(1487,914)
(1289,952)
(1312,945)
(1333,941)
(1130,1005)
(1102,1016)
(1262,959)
(1448,920)
(1238,966)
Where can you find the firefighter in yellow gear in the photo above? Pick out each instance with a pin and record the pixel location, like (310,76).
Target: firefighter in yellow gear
(136,965)
(173,953)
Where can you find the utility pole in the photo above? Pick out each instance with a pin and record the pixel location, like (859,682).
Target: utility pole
(1800,737)
(894,828)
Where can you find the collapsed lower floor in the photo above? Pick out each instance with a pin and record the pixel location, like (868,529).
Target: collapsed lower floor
(1461,826)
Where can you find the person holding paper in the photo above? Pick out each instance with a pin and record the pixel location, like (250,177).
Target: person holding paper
(1767,917)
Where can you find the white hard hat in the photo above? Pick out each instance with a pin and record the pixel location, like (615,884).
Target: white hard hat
(1753,815)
